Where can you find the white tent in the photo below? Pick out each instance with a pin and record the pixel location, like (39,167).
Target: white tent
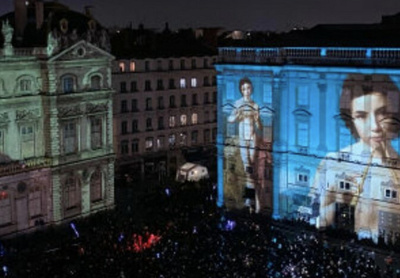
(191,172)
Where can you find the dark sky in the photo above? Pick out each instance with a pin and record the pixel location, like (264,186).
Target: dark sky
(276,15)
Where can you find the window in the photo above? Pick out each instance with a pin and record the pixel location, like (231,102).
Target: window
(390,193)
(124,127)
(95,82)
(194,119)
(95,133)
(27,141)
(124,106)
(182,83)
(149,124)
(302,134)
(194,64)
(121,66)
(206,82)
(35,202)
(206,98)
(134,86)
(206,136)
(160,122)
(132,66)
(172,101)
(183,101)
(69,137)
(147,85)
(183,66)
(71,196)
(122,87)
(302,96)
(149,143)
(205,63)
(215,115)
(214,80)
(194,137)
(214,97)
(345,185)
(67,84)
(95,186)
(149,105)
(171,84)
(160,85)
(172,140)
(183,138)
(124,147)
(206,116)
(214,134)
(171,64)
(193,82)
(183,120)
(134,105)
(171,121)
(135,146)
(160,142)
(135,126)
(5,208)
(160,101)
(267,93)
(302,178)
(194,99)
(147,66)
(159,65)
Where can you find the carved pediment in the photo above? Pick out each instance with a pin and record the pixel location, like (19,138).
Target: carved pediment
(96,108)
(4,119)
(25,115)
(70,111)
(81,50)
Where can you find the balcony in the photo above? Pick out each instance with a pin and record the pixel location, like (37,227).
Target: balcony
(26,165)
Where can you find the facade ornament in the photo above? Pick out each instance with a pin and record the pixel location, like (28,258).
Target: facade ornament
(94,108)
(27,115)
(70,111)
(53,42)
(4,119)
(8,32)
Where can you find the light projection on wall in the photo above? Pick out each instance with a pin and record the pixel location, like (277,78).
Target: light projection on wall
(247,145)
(311,143)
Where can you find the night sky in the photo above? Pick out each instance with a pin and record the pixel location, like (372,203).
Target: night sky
(275,15)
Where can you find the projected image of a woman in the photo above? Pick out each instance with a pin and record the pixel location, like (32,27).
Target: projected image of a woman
(246,114)
(359,185)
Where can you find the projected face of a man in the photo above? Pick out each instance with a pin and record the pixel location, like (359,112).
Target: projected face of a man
(369,116)
(246,90)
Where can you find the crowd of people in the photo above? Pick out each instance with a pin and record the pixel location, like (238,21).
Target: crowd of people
(180,232)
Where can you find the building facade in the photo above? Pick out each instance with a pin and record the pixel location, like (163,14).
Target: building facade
(318,138)
(162,107)
(56,143)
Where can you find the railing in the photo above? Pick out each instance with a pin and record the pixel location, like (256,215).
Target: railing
(26,165)
(311,55)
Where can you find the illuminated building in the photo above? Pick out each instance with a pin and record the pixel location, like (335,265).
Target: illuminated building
(327,149)
(57,160)
(165,102)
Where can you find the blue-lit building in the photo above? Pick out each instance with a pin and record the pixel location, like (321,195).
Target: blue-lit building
(317,136)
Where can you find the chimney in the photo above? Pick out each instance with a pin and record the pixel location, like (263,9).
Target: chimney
(39,13)
(89,11)
(20,18)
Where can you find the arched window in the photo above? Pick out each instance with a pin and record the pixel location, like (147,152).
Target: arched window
(95,82)
(68,84)
(70,193)
(95,186)
(35,202)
